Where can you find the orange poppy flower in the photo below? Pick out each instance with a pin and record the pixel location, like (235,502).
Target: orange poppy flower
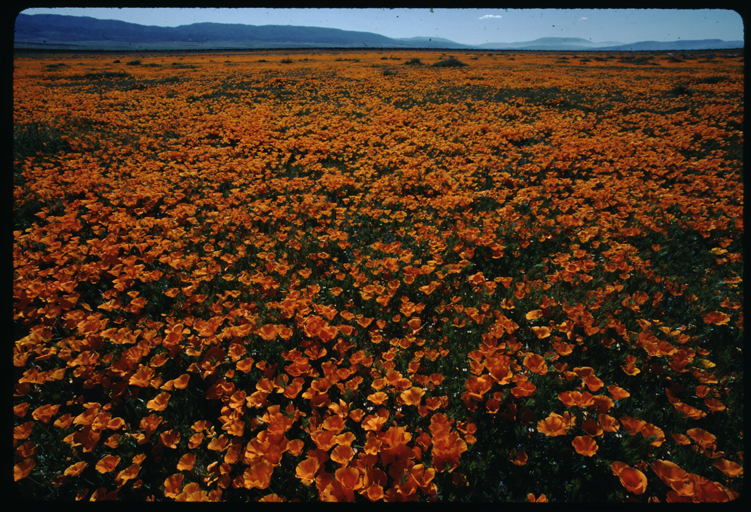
(373,422)
(586,399)
(592,382)
(21,409)
(534,314)
(107,463)
(170,438)
(717,318)
(267,386)
(535,363)
(412,396)
(630,367)
(520,458)
(346,439)
(374,492)
(632,425)
(45,412)
(681,439)
(27,449)
(75,469)
(268,332)
(601,403)
(395,379)
(576,398)
(632,479)
(569,419)
(294,388)
(447,451)
(688,411)
(218,444)
(568,398)
(563,348)
(372,445)
(423,478)
(378,398)
(87,417)
(541,332)
(186,462)
(395,437)
(364,322)
(324,439)
(159,402)
(708,491)
(674,476)
(702,437)
(356,415)
(714,405)
(272,498)
(652,430)
(245,365)
(258,476)
(200,426)
(142,377)
(523,388)
(342,454)
(112,441)
(23,431)
(349,478)
(414,324)
(552,426)
(306,470)
(334,423)
(728,468)
(618,393)
(584,445)
(500,371)
(23,469)
(192,492)
(478,386)
(173,484)
(126,474)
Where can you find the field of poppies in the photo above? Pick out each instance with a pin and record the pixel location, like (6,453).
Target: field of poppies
(366,276)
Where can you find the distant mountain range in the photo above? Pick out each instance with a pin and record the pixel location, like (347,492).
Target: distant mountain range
(51,31)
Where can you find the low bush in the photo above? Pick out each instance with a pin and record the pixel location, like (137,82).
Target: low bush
(451,62)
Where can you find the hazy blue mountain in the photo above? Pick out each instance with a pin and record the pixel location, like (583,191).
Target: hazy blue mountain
(81,32)
(578,44)
(554,41)
(432,42)
(702,44)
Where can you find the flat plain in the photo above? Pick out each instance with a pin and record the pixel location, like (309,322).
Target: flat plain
(365,276)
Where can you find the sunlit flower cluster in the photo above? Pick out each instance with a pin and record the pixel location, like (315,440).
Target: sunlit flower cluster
(237,278)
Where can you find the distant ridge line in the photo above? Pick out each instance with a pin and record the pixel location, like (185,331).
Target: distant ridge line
(86,33)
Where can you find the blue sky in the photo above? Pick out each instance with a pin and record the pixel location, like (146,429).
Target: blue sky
(467,26)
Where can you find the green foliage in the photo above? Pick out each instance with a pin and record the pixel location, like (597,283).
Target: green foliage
(106,75)
(451,62)
(30,139)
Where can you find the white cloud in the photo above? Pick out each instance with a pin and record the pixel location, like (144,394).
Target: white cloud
(489,16)
(583,18)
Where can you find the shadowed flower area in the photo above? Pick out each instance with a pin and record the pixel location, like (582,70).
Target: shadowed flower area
(289,276)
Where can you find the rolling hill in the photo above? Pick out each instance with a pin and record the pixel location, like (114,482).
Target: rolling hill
(86,33)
